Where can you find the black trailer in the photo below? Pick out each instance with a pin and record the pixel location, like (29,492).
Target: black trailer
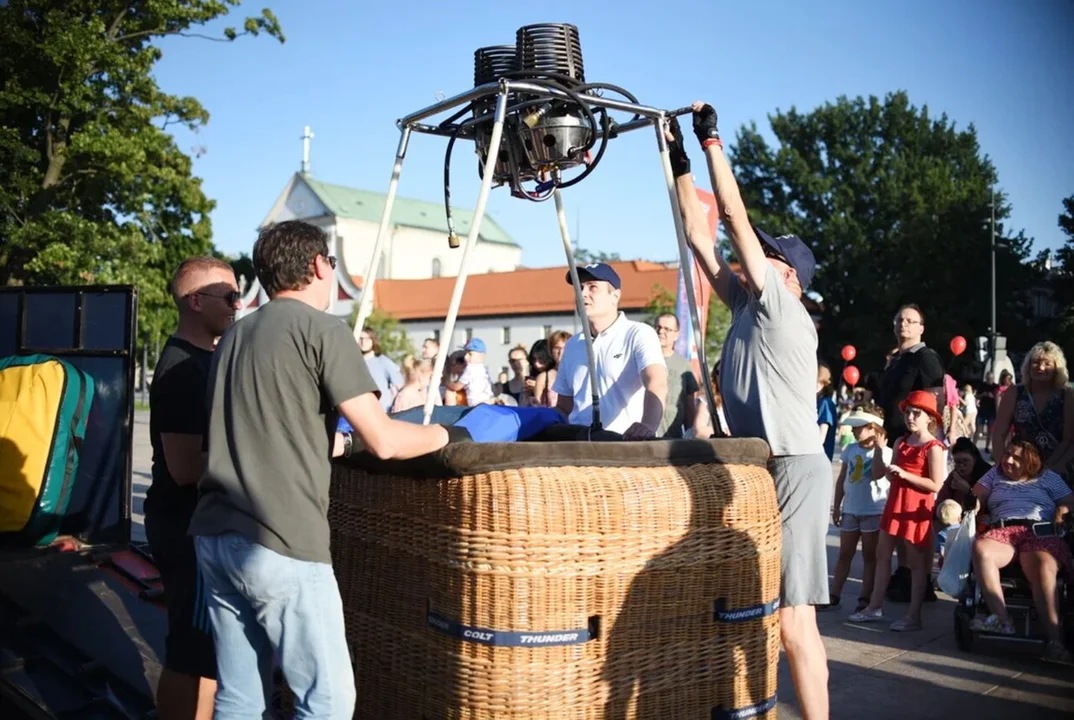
(81,623)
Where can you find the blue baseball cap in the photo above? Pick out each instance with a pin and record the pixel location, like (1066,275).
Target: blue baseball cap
(791,250)
(475,345)
(597,271)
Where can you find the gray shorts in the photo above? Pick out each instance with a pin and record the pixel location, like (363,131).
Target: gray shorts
(850,522)
(803,490)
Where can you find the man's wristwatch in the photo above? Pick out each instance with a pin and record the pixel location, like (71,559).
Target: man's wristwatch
(348,444)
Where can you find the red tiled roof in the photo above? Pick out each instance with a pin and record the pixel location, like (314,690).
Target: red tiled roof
(520,292)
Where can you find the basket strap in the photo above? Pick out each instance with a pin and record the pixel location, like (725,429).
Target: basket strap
(509,638)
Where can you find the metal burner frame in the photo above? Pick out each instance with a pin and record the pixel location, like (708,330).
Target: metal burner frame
(464,129)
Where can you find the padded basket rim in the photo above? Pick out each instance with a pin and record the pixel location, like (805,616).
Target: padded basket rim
(461,459)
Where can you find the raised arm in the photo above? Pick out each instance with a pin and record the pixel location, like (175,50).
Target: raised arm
(695,222)
(1002,427)
(747,246)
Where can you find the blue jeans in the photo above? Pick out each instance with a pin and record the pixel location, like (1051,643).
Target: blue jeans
(263,603)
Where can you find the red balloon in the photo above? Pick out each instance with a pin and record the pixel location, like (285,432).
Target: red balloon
(851,375)
(958,345)
(849,353)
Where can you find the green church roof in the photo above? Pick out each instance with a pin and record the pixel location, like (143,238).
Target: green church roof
(348,202)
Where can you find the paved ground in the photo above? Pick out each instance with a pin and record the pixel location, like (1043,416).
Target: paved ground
(876,674)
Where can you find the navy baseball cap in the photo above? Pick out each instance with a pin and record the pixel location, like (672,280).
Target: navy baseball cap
(597,271)
(475,345)
(791,250)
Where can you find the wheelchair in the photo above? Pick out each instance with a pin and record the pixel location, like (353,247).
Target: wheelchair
(1018,597)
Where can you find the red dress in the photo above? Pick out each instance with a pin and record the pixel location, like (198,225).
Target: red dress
(908,512)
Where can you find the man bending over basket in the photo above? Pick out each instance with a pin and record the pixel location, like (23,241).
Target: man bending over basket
(279,380)
(768,381)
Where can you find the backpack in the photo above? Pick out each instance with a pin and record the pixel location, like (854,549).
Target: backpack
(44,405)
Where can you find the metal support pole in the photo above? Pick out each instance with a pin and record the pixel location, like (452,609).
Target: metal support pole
(471,241)
(993,331)
(365,300)
(579,307)
(686,260)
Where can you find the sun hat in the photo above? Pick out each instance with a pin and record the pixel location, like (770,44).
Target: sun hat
(922,400)
(860,418)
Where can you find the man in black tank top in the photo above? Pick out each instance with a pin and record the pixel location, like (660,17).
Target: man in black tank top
(207,296)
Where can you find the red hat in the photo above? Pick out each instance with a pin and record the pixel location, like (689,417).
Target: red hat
(922,400)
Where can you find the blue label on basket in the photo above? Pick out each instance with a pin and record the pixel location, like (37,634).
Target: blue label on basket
(753,612)
(508,638)
(747,712)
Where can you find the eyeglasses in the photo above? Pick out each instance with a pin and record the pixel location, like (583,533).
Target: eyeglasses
(664,328)
(331,261)
(231,298)
(907,321)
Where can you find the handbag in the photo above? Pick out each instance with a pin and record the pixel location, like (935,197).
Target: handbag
(958,558)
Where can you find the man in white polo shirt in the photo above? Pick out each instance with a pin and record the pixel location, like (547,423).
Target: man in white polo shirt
(632,379)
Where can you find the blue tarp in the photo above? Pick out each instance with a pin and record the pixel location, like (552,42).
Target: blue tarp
(485,423)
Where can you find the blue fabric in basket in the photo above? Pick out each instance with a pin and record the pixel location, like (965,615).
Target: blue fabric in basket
(485,423)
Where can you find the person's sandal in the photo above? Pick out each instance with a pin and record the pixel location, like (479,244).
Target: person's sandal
(992,624)
(865,616)
(863,602)
(1055,652)
(904,626)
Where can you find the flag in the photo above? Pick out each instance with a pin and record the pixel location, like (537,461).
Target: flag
(687,344)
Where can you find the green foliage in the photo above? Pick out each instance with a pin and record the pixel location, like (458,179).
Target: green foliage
(895,204)
(582,256)
(93,188)
(1063,281)
(393,339)
(661,302)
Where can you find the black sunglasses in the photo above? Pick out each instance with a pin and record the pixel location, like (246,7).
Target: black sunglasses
(771,252)
(231,298)
(331,260)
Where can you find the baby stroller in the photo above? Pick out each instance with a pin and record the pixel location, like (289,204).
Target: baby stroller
(1018,597)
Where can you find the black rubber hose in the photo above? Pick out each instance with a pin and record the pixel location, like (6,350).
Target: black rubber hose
(447,182)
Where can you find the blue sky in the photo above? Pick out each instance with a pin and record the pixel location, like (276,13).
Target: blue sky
(349,69)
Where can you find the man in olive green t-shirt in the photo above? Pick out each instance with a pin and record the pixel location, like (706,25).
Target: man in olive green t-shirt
(279,380)
(680,407)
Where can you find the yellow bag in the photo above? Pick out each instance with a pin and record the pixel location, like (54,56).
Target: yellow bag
(44,405)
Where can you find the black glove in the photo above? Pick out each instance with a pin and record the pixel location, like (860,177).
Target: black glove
(680,164)
(705,124)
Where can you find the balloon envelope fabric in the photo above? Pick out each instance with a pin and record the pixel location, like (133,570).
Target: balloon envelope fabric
(485,423)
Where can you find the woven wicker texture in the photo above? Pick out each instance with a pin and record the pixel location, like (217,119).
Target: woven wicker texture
(640,557)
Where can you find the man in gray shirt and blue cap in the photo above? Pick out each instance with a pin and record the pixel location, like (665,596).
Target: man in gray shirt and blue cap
(768,381)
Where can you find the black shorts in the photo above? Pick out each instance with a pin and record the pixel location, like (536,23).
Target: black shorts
(188,649)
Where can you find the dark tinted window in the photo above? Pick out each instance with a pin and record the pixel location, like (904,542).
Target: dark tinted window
(50,321)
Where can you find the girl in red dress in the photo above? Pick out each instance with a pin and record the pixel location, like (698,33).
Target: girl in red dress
(916,474)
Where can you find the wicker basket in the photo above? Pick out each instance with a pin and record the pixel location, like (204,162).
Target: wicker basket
(561,580)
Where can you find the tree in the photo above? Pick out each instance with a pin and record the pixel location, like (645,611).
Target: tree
(1063,281)
(394,342)
(582,256)
(93,188)
(895,205)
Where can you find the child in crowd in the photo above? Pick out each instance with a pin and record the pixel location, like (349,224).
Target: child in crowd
(826,415)
(859,500)
(916,475)
(475,378)
(949,513)
(416,374)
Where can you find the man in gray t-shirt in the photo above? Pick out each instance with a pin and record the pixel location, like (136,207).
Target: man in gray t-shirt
(680,408)
(279,380)
(768,376)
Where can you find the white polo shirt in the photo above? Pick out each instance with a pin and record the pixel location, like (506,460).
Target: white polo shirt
(621,352)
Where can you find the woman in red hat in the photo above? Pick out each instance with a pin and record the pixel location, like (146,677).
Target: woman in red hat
(916,475)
